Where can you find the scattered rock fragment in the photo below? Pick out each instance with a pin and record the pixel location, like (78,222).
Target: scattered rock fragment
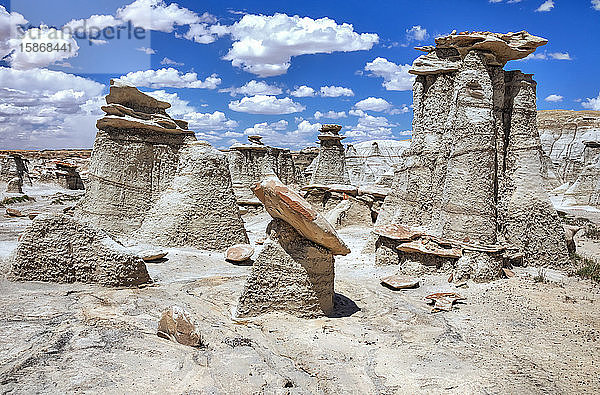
(239,253)
(400,282)
(443,301)
(177,324)
(13,212)
(152,255)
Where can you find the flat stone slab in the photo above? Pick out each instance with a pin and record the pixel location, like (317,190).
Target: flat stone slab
(400,282)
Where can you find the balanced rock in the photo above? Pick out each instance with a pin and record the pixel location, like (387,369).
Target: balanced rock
(13,165)
(239,253)
(291,274)
(283,203)
(250,163)
(199,208)
(15,185)
(135,158)
(330,164)
(474,169)
(177,324)
(59,248)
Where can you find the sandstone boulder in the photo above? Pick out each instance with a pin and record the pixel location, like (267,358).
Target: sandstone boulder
(59,248)
(177,324)
(283,203)
(239,253)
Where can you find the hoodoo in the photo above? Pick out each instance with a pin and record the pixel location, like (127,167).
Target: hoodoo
(472,178)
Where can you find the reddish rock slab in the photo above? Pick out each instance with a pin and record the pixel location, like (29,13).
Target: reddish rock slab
(400,282)
(397,232)
(426,246)
(13,212)
(283,203)
(239,253)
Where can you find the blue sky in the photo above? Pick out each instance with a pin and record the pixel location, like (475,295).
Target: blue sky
(353,64)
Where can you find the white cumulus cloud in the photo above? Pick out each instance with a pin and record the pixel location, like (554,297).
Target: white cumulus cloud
(264,45)
(157,15)
(336,91)
(167,61)
(27,52)
(47,109)
(596,4)
(373,104)
(554,98)
(264,104)
(416,33)
(329,115)
(303,91)
(252,88)
(592,103)
(169,78)
(545,6)
(395,76)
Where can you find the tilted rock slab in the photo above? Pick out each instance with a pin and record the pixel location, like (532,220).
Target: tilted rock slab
(135,157)
(198,209)
(294,272)
(283,203)
(291,274)
(59,248)
(474,170)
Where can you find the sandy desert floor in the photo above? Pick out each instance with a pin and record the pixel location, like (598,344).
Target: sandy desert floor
(509,336)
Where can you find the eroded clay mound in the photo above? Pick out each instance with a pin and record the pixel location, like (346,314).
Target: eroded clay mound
(291,274)
(59,248)
(199,208)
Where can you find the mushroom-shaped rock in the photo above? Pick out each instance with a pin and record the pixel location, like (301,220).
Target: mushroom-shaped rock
(283,203)
(449,51)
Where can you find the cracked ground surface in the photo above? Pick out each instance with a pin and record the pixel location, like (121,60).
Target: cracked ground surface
(509,336)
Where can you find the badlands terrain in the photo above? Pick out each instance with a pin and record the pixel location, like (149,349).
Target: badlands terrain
(156,263)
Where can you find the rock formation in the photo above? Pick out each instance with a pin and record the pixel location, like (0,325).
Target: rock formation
(473,172)
(372,162)
(135,157)
(294,272)
(198,209)
(15,185)
(59,248)
(13,165)
(250,163)
(303,160)
(571,139)
(330,164)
